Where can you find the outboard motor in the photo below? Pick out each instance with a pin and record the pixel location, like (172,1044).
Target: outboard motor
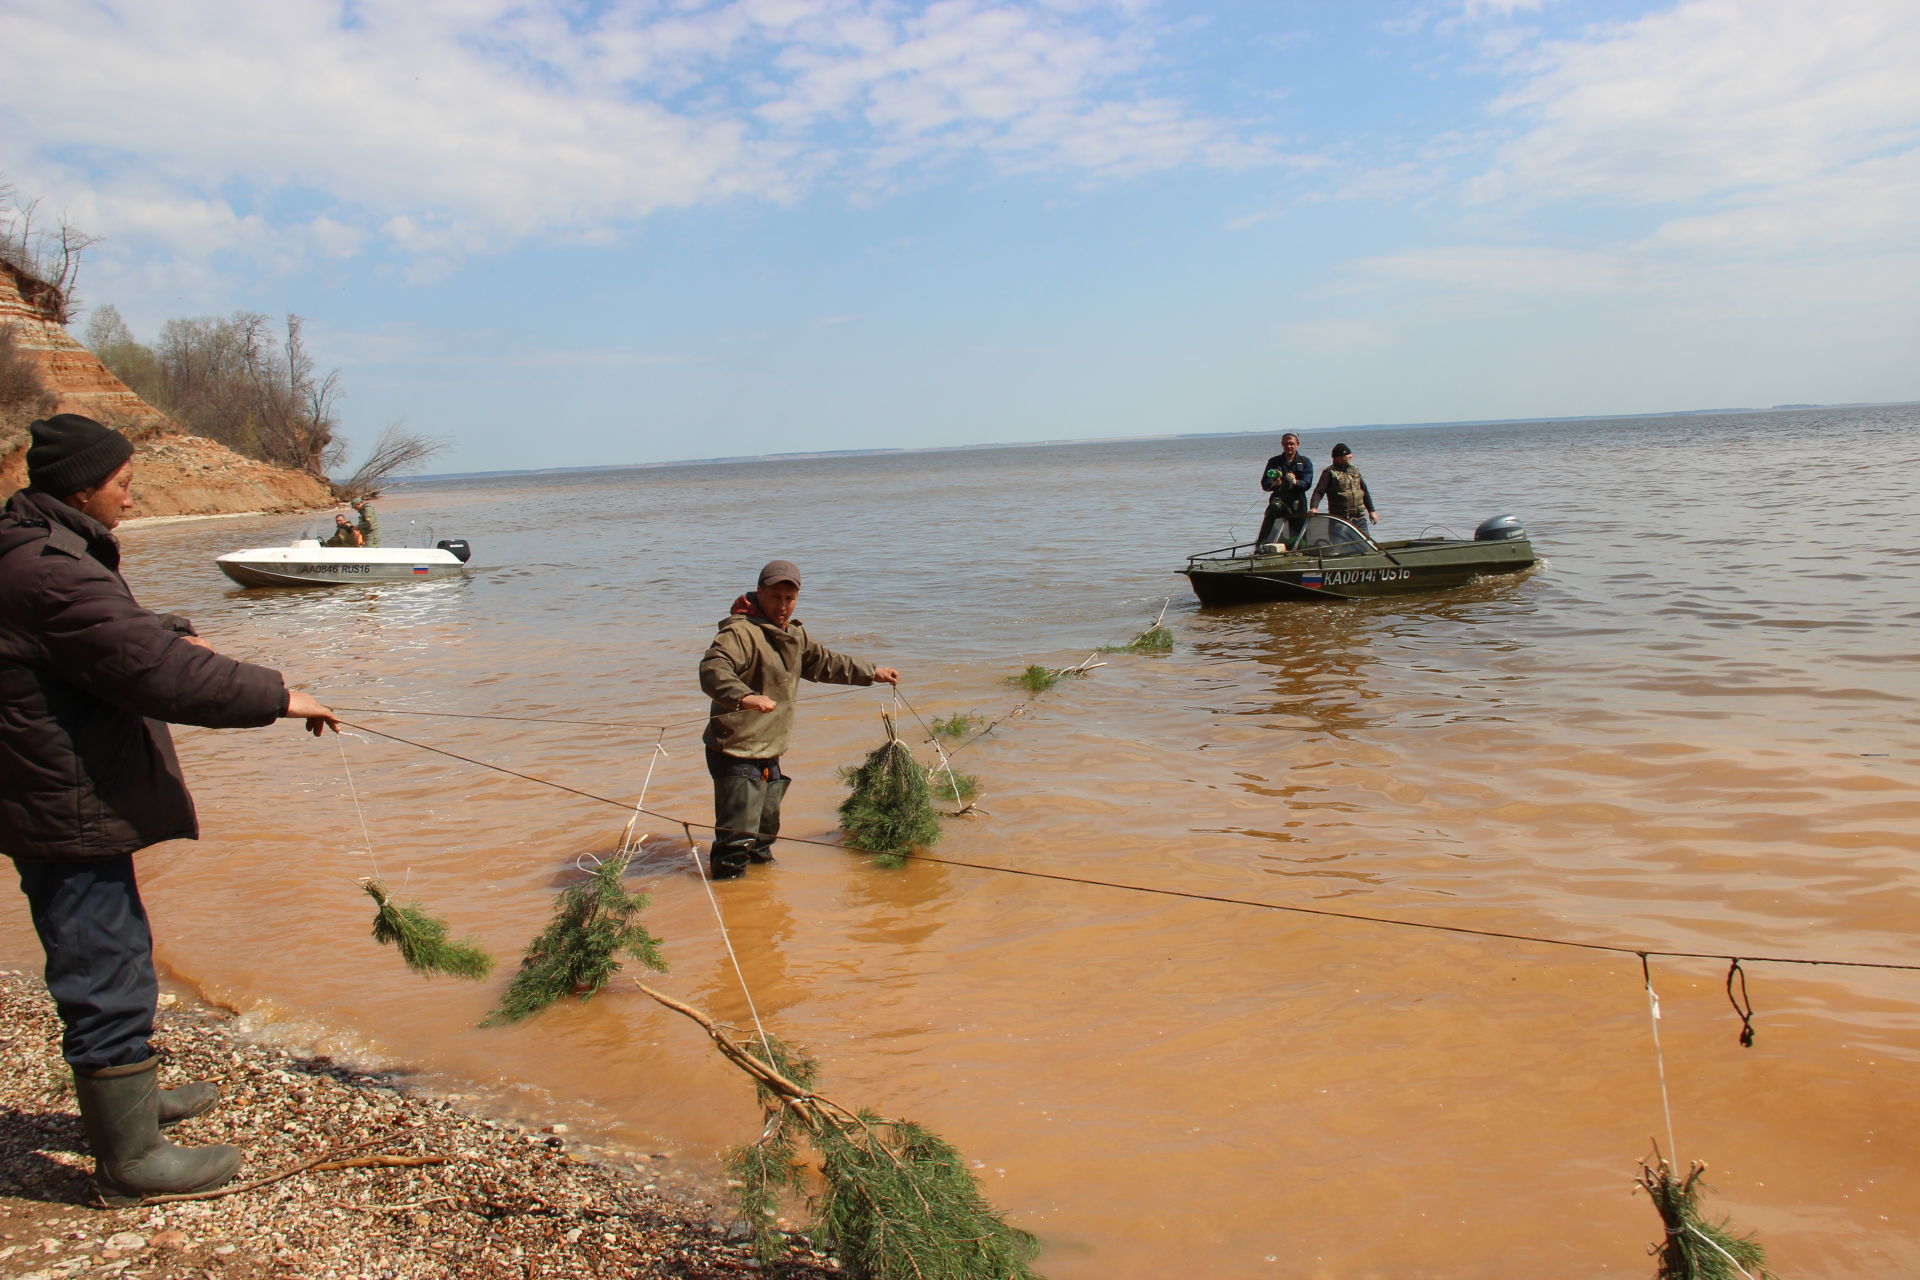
(1493,529)
(462,552)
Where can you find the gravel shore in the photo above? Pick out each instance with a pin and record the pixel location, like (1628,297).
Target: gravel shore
(482,1198)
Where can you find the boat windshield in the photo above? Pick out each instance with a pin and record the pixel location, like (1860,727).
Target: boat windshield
(1330,536)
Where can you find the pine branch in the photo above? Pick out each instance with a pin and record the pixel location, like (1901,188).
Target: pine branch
(1694,1248)
(889,813)
(896,1201)
(422,939)
(595,922)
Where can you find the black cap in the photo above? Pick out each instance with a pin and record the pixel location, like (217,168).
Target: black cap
(1340,451)
(780,571)
(71,453)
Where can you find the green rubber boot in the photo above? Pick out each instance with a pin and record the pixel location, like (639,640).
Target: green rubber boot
(184,1102)
(120,1111)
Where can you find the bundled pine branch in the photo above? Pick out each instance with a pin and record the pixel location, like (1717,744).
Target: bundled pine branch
(595,922)
(950,786)
(893,1200)
(422,939)
(1694,1248)
(1155,639)
(888,813)
(957,725)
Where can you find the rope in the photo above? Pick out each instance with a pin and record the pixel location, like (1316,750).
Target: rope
(1715,1246)
(1659,1058)
(365,835)
(1742,1004)
(640,805)
(599,724)
(1188,894)
(726,939)
(945,762)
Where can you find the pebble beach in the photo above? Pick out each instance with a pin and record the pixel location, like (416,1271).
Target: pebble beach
(397,1184)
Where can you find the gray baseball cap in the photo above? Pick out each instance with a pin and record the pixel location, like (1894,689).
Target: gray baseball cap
(780,571)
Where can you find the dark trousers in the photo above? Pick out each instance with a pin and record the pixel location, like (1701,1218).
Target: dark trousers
(99,948)
(746,809)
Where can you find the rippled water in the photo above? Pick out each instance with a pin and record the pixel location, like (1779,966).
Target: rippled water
(1690,729)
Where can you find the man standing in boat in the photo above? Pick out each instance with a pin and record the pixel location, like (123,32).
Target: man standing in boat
(1346,493)
(752,671)
(88,776)
(369,522)
(1288,477)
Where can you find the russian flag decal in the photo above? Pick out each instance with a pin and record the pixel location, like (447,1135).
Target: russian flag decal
(1310,579)
(419,571)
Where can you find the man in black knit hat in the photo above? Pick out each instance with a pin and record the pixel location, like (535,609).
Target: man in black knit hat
(88,776)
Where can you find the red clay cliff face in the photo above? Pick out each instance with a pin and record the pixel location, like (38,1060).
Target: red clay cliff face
(175,474)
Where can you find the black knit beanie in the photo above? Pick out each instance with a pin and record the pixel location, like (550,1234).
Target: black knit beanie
(70,453)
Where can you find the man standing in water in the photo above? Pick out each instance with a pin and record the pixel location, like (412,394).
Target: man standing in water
(88,776)
(1346,493)
(752,671)
(1288,477)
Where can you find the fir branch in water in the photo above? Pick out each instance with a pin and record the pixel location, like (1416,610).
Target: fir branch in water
(422,939)
(889,814)
(895,1201)
(595,922)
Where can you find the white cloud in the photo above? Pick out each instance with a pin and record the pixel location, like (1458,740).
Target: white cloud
(451,127)
(1709,97)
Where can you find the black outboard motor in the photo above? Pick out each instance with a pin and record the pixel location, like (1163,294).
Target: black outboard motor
(1494,529)
(462,552)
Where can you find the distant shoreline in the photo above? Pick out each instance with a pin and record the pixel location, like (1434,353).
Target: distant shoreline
(805,455)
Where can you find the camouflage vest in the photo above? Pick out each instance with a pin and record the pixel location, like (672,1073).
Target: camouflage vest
(1346,494)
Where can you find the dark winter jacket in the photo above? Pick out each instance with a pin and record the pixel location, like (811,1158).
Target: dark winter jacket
(752,654)
(87,769)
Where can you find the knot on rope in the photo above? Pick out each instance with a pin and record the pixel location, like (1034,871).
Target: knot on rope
(1742,1004)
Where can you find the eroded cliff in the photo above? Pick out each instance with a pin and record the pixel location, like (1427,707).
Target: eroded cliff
(175,474)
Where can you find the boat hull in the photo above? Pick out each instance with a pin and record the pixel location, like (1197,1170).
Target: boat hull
(338,566)
(1407,568)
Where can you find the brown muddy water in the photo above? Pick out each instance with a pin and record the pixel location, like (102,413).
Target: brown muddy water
(1692,728)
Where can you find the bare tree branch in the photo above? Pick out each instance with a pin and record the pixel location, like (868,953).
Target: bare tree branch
(397,452)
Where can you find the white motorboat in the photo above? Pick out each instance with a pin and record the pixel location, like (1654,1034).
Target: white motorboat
(306,563)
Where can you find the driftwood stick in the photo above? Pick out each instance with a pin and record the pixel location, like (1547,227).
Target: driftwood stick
(302,1167)
(733,1052)
(392,1208)
(380,1162)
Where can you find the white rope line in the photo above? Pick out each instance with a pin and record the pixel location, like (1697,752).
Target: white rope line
(1659,1058)
(1714,1245)
(726,939)
(627,843)
(361,813)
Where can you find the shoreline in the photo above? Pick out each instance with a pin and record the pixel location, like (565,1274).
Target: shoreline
(482,1197)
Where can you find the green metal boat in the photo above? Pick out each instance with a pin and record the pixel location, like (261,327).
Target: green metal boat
(1333,560)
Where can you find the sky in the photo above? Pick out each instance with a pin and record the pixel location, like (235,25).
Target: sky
(597,233)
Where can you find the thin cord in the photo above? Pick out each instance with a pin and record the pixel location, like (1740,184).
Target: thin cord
(945,761)
(364,834)
(726,938)
(600,724)
(1715,1246)
(640,805)
(1659,1058)
(1614,948)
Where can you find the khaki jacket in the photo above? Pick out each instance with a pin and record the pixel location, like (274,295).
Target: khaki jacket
(749,654)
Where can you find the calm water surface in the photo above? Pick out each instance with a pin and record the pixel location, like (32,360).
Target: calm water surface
(1691,728)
